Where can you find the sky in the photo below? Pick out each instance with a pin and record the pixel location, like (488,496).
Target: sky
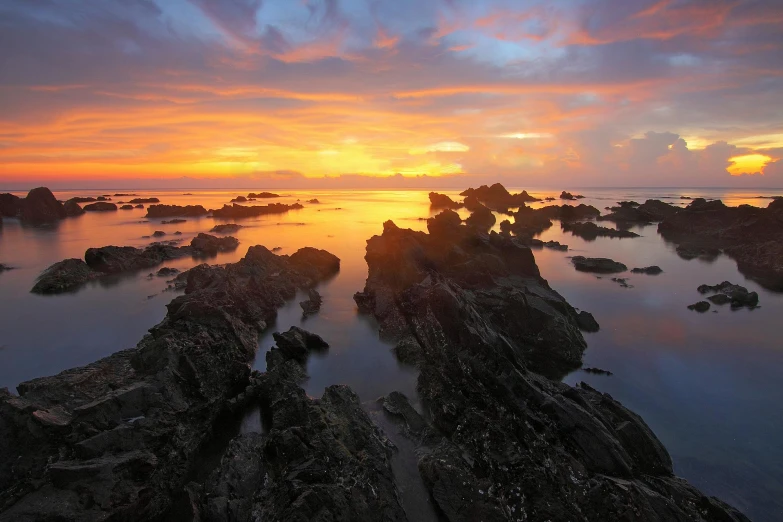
(429,92)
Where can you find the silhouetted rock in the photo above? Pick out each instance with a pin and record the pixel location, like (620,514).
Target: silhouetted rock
(496,197)
(72,208)
(64,276)
(701,307)
(649,270)
(587,322)
(263,195)
(103,198)
(240,211)
(80,199)
(40,206)
(598,265)
(590,231)
(622,281)
(167,272)
(228,228)
(597,371)
(211,245)
(650,211)
(100,206)
(126,207)
(442,201)
(239,199)
(689,251)
(308,259)
(313,201)
(173,221)
(727,292)
(137,201)
(121,195)
(568,195)
(4,267)
(312,304)
(527,223)
(138,206)
(158,233)
(10,205)
(752,236)
(168,211)
(480,217)
(570,212)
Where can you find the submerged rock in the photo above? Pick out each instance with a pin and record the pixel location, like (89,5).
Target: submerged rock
(228,228)
(100,206)
(175,221)
(167,272)
(241,211)
(63,276)
(597,371)
(590,231)
(4,267)
(651,211)
(262,195)
(598,265)
(313,201)
(701,307)
(649,270)
(727,292)
(688,252)
(158,233)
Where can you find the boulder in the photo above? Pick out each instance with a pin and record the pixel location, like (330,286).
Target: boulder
(10,205)
(240,211)
(587,322)
(40,206)
(100,206)
(727,292)
(649,270)
(126,207)
(64,276)
(590,231)
(569,196)
(598,265)
(442,201)
(210,245)
(312,304)
(167,211)
(72,208)
(701,307)
(138,201)
(228,228)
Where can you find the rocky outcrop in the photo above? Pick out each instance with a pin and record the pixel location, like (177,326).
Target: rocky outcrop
(590,231)
(314,201)
(496,197)
(206,245)
(480,217)
(240,211)
(100,206)
(138,201)
(569,196)
(752,236)
(729,293)
(598,265)
(126,207)
(442,201)
(570,212)
(651,211)
(64,276)
(312,305)
(174,221)
(4,267)
(527,223)
(168,211)
(40,206)
(239,199)
(587,322)
(10,205)
(649,270)
(228,228)
(262,195)
(500,441)
(72,208)
(701,307)
(118,439)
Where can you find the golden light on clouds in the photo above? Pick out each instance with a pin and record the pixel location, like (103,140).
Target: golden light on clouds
(748,164)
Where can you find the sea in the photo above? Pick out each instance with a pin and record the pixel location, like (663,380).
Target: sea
(709,385)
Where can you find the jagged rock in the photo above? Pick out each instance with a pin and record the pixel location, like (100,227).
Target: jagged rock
(263,195)
(239,199)
(241,211)
(569,196)
(118,439)
(40,206)
(649,270)
(313,201)
(296,343)
(100,206)
(312,305)
(168,211)
(228,228)
(63,276)
(650,211)
(10,205)
(167,272)
(752,236)
(622,281)
(597,371)
(598,265)
(138,206)
(590,231)
(587,322)
(481,217)
(137,201)
(211,245)
(72,208)
(737,295)
(496,197)
(317,264)
(443,201)
(103,198)
(528,222)
(701,307)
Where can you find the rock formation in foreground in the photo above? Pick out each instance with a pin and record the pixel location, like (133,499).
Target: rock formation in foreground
(122,438)
(496,197)
(752,236)
(503,442)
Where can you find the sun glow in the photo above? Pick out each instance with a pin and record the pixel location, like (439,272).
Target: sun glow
(748,164)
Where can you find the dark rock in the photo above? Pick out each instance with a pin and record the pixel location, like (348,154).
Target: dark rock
(701,307)
(528,222)
(10,205)
(72,208)
(651,211)
(64,276)
(443,201)
(138,206)
(4,267)
(173,221)
(103,198)
(100,206)
(228,228)
(168,211)
(137,201)
(570,212)
(622,281)
(158,233)
(590,231)
(40,206)
(126,207)
(587,322)
(599,265)
(125,195)
(496,197)
(312,305)
(649,270)
(737,295)
(296,343)
(688,252)
(263,195)
(211,245)
(239,199)
(79,199)
(597,371)
(752,236)
(568,195)
(240,211)
(114,259)
(167,272)
(481,217)
(177,233)
(316,264)
(313,201)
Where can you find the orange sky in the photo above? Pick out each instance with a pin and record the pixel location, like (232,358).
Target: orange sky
(588,92)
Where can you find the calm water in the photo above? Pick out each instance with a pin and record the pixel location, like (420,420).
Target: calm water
(709,385)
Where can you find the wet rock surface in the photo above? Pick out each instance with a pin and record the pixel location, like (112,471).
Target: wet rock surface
(598,265)
(496,197)
(729,293)
(500,441)
(119,439)
(590,231)
(752,236)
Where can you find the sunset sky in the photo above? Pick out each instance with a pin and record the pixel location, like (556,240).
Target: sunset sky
(547,93)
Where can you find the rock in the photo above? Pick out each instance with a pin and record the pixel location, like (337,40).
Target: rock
(239,199)
(527,223)
(72,208)
(138,206)
(158,233)
(701,307)
(167,272)
(40,207)
(100,206)
(173,221)
(649,270)
(126,207)
(312,305)
(630,212)
(443,201)
(590,231)
(103,198)
(10,205)
(502,441)
(568,195)
(598,265)
(177,233)
(313,201)
(296,344)
(138,201)
(229,228)
(587,322)
(80,199)
(119,439)
(263,195)
(114,259)
(168,211)
(570,212)
(622,281)
(752,236)
(737,295)
(496,197)
(689,252)
(4,267)
(481,217)
(240,211)
(121,195)
(64,276)
(597,371)
(211,245)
